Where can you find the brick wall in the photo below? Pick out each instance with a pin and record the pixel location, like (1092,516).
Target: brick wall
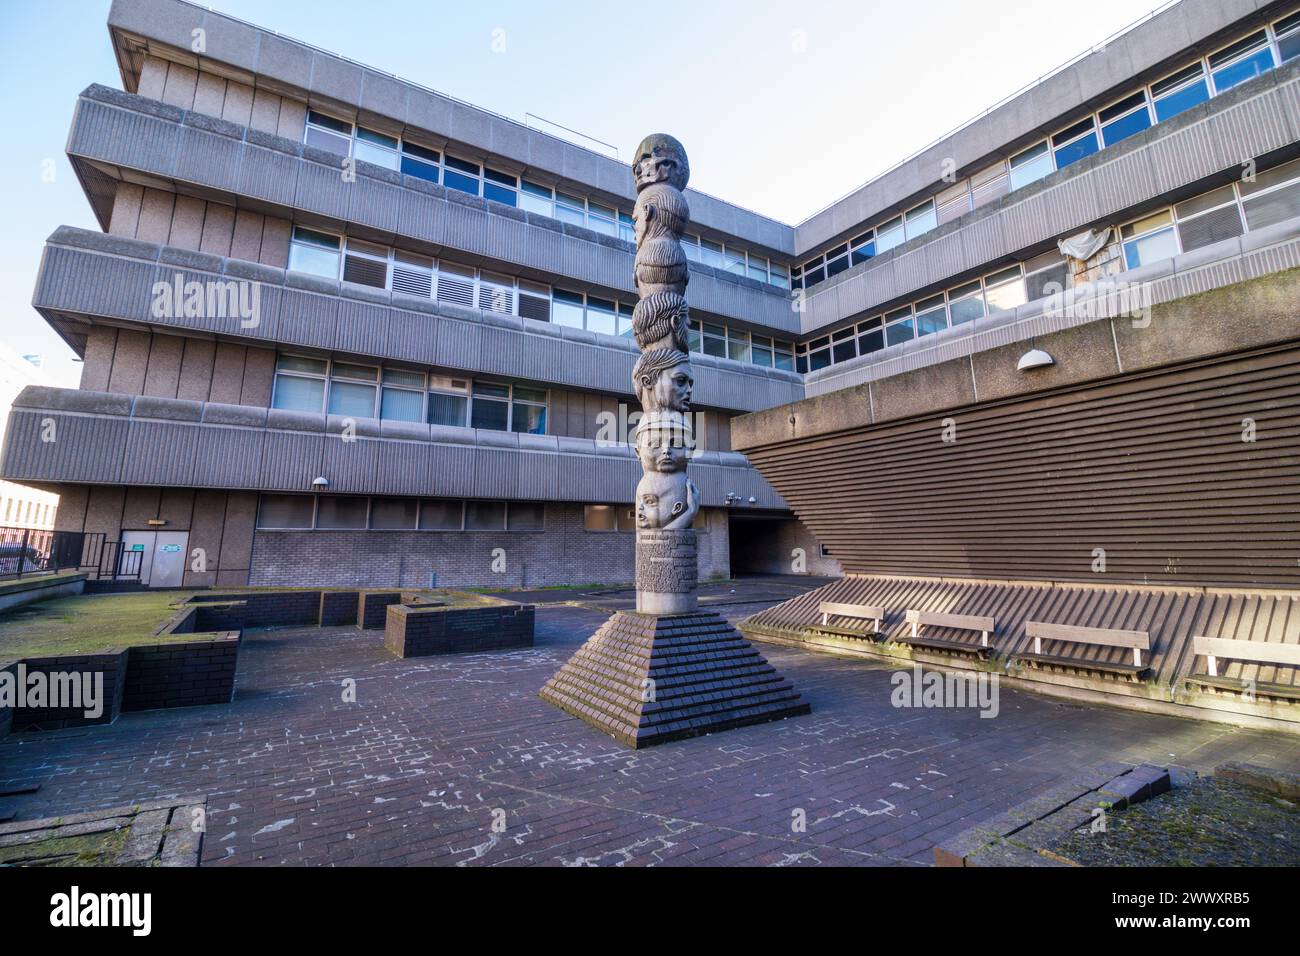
(564,553)
(410,632)
(181,673)
(112,665)
(7,712)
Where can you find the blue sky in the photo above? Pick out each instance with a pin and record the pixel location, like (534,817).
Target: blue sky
(784,106)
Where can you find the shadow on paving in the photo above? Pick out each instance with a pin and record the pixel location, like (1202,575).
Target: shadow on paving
(334,752)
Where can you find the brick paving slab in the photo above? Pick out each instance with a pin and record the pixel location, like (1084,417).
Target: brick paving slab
(435,751)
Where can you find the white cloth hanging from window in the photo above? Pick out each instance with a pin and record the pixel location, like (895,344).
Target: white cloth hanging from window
(1085,245)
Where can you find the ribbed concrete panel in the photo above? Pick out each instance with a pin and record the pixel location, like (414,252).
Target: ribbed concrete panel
(376,204)
(507,240)
(543,354)
(503,348)
(1250,129)
(50,446)
(229,457)
(1124,182)
(1072,202)
(323,189)
(420,217)
(540,475)
(1184,157)
(122,136)
(268,175)
(1018,225)
(307,318)
(498,475)
(450,471)
(413,335)
(159,453)
(362,327)
(910,269)
(408,468)
(458,344)
(945,256)
(210,159)
(465,227)
(545,248)
(350,465)
(75,281)
(291,460)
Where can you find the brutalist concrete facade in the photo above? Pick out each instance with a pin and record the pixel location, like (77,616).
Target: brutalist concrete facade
(201,168)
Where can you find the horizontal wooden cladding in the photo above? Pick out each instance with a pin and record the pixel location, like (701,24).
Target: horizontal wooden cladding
(1152,468)
(1171,616)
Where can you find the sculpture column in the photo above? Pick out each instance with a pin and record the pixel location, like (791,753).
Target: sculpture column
(669,670)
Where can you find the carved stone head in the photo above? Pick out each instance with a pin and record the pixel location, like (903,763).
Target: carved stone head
(660,159)
(663,381)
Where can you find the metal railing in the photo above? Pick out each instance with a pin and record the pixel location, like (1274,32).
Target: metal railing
(28,551)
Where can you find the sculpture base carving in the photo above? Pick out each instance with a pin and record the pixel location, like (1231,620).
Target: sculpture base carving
(667,571)
(646,679)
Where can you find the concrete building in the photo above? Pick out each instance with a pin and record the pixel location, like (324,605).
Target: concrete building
(339,328)
(22,508)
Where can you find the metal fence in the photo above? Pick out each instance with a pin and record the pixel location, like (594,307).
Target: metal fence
(27,551)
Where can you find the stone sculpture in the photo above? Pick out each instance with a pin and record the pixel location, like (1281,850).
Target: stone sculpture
(669,670)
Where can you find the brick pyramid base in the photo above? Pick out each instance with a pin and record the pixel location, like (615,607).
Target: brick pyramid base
(706,676)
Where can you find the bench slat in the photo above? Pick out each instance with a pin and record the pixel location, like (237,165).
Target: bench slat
(1257,652)
(969,622)
(868,611)
(1107,636)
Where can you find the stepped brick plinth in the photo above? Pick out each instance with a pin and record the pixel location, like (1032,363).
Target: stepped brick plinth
(646,679)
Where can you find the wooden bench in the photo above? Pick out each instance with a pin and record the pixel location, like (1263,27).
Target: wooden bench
(965,622)
(864,612)
(1041,631)
(1254,652)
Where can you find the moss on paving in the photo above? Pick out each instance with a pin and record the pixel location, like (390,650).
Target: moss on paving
(1208,822)
(86,623)
(88,849)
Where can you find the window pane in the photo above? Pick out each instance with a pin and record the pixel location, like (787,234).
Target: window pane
(348,398)
(1125,127)
(1076,151)
(1266,209)
(490,414)
(500,194)
(599,517)
(738,346)
(1177,102)
(529,418)
(297,363)
(1007,295)
(420,170)
(389,513)
(447,409)
(525,516)
(890,235)
(899,332)
(870,342)
(485,515)
(285,511)
(566,308)
(313,259)
(345,512)
(368,152)
(437,514)
(1150,248)
(921,219)
(401,405)
(299,394)
(454,180)
(600,316)
(401,376)
(332,142)
(930,320)
(1031,165)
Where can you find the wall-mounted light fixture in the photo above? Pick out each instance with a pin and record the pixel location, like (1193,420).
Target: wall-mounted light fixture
(1034,358)
(321,482)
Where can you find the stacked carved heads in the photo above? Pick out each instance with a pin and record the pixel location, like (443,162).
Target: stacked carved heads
(666,498)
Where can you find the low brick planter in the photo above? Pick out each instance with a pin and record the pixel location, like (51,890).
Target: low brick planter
(8,672)
(338,608)
(108,667)
(182,673)
(422,630)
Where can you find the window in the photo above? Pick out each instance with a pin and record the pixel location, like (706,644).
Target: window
(461,174)
(437,514)
(528,410)
(496,293)
(1180,92)
(599,517)
(715,340)
(525,516)
(626,228)
(711,253)
(1273,196)
(448,401)
(570,209)
(352,390)
(1206,219)
(1047,274)
(1074,143)
(420,162)
(737,345)
(491,408)
(412,274)
(931,316)
(733,261)
(342,513)
(1149,240)
(837,260)
(601,316)
(284,511)
(566,308)
(1005,289)
(402,396)
(366,264)
(456,284)
(819,353)
(890,234)
(534,301)
(1243,60)
(314,252)
(921,219)
(783,355)
(966,302)
(761,350)
(758,268)
(899,326)
(392,514)
(328,133)
(375,147)
(1031,165)
(534,197)
(602,219)
(1287,31)
(299,384)
(1121,120)
(871,336)
(485,515)
(500,187)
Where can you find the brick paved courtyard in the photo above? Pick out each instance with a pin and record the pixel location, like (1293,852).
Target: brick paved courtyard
(413,772)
